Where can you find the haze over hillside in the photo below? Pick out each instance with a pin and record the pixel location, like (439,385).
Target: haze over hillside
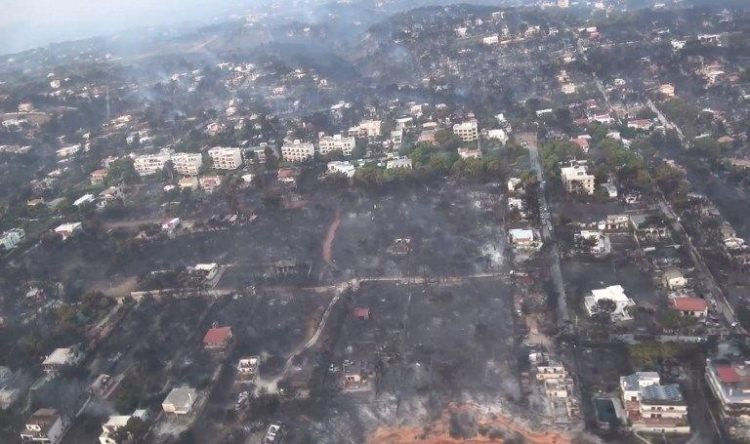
(29,24)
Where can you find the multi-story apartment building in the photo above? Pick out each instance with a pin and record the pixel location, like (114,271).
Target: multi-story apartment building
(730,384)
(297,151)
(187,164)
(366,128)
(468,131)
(226,158)
(336,142)
(653,407)
(149,164)
(577,179)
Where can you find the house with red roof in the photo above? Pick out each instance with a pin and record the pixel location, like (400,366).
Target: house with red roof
(362,313)
(729,381)
(691,307)
(217,338)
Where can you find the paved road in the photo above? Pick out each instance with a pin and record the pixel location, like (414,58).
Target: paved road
(666,122)
(715,293)
(548,234)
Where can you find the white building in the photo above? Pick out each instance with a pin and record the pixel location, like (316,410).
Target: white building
(69,229)
(667,89)
(248,367)
(468,131)
(367,128)
(576,178)
(149,164)
(226,158)
(209,184)
(399,162)
(180,401)
(11,238)
(730,384)
(674,279)
(298,151)
(600,243)
(115,423)
(259,152)
(45,426)
(337,142)
(493,39)
(68,151)
(397,136)
(498,134)
(652,407)
(524,239)
(61,358)
(341,167)
(614,293)
(469,153)
(83,200)
(568,88)
(187,164)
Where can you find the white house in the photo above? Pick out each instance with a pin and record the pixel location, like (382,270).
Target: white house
(498,134)
(469,153)
(179,401)
(576,178)
(83,200)
(614,293)
(493,39)
(68,151)
(524,238)
(61,358)
(115,423)
(68,230)
(341,167)
(674,279)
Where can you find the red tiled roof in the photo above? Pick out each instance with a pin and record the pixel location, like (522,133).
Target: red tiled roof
(362,312)
(727,374)
(582,143)
(218,335)
(689,304)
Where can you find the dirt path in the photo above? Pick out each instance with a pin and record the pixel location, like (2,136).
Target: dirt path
(330,236)
(271,385)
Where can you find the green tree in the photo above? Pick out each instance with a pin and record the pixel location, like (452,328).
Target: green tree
(121,171)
